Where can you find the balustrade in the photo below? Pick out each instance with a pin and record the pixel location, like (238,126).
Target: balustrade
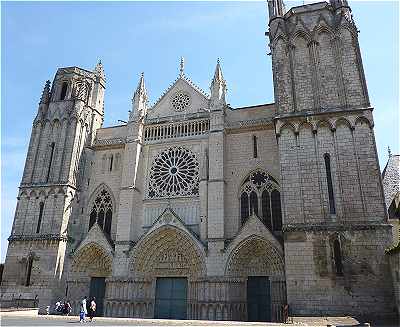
(174,130)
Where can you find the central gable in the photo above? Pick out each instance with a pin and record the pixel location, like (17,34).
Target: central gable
(183,97)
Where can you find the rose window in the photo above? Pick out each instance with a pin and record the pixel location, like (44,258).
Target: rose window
(175,172)
(180,101)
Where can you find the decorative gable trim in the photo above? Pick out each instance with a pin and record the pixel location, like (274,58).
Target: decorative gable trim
(186,79)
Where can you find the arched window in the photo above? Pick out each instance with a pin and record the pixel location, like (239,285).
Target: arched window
(266,209)
(102,211)
(52,145)
(276,210)
(41,207)
(261,185)
(244,207)
(337,256)
(63,92)
(327,160)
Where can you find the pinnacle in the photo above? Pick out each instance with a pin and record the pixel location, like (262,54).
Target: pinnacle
(218,77)
(46,93)
(141,88)
(99,69)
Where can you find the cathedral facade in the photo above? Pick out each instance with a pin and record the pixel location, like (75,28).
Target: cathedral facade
(193,209)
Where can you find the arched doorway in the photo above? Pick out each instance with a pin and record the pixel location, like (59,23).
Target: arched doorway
(169,259)
(261,264)
(91,265)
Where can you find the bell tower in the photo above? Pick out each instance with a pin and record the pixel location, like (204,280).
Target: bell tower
(70,111)
(330,177)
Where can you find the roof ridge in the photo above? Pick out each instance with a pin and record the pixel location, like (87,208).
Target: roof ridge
(187,80)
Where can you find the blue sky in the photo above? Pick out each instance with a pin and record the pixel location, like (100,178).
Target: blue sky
(131,37)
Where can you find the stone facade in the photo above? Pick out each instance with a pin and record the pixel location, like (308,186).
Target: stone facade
(221,196)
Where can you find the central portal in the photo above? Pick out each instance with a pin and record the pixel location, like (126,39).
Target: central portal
(258,299)
(171,298)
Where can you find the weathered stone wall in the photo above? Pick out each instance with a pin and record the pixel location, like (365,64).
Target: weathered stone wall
(316,60)
(394,259)
(314,287)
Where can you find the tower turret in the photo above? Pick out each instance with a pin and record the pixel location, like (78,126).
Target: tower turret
(276,8)
(218,89)
(68,116)
(139,101)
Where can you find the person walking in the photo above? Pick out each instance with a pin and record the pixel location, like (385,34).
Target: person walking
(92,309)
(83,310)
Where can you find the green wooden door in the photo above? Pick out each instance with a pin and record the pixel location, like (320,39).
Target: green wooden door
(171,298)
(97,290)
(258,299)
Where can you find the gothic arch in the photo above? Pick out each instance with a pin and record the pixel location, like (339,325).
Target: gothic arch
(170,251)
(255,256)
(96,192)
(363,119)
(101,208)
(287,126)
(343,121)
(324,123)
(93,260)
(306,125)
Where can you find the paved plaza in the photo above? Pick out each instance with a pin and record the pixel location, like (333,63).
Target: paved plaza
(30,318)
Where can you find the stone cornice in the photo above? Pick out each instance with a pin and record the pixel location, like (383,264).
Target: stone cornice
(43,237)
(321,111)
(357,226)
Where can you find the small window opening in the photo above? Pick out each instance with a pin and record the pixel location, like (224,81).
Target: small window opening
(64,88)
(29,271)
(255,154)
(111,162)
(337,255)
(52,145)
(327,160)
(41,207)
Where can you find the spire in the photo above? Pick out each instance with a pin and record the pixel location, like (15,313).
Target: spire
(218,88)
(46,93)
(218,77)
(182,67)
(99,70)
(139,100)
(276,8)
(389,152)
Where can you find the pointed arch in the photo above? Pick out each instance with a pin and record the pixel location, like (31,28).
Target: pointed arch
(343,121)
(325,123)
(257,196)
(101,208)
(92,259)
(287,126)
(255,255)
(171,250)
(363,119)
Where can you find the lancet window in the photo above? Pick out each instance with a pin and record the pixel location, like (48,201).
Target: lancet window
(102,211)
(259,195)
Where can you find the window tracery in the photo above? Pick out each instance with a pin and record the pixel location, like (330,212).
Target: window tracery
(102,211)
(260,195)
(180,101)
(175,172)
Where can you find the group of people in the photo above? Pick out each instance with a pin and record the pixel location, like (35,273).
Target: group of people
(63,308)
(87,308)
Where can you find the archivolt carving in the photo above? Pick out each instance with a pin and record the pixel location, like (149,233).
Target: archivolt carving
(255,256)
(168,251)
(93,260)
